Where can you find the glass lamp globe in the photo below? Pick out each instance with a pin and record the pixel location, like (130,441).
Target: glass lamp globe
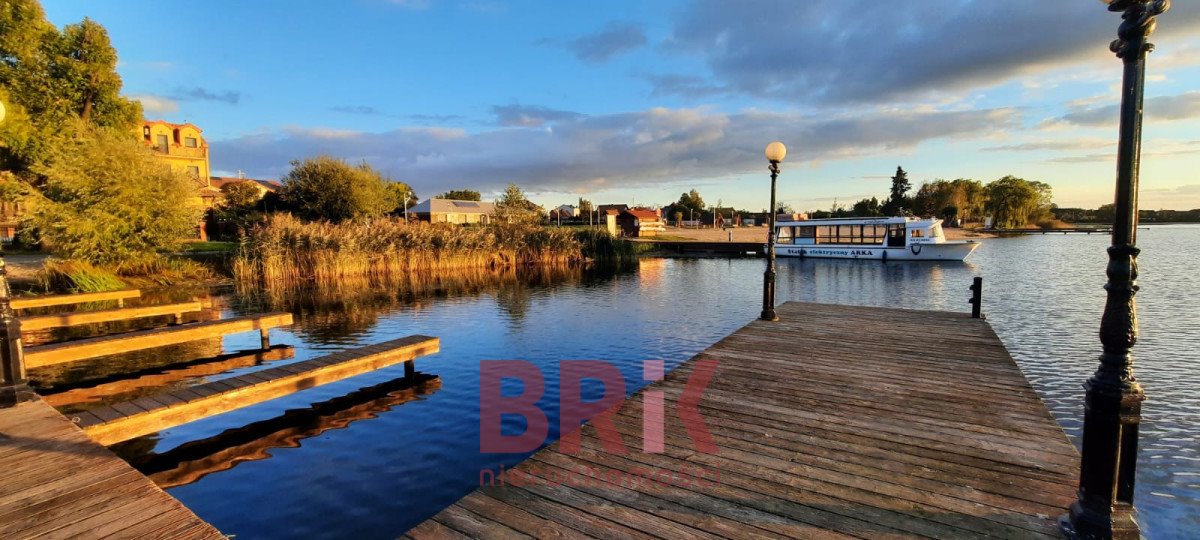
(776,151)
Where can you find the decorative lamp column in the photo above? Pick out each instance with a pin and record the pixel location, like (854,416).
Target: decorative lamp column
(1113,401)
(775,152)
(14,388)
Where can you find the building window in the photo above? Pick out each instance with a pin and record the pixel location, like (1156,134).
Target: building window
(161,143)
(189,142)
(194,171)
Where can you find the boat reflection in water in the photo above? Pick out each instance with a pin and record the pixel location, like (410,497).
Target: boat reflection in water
(194,460)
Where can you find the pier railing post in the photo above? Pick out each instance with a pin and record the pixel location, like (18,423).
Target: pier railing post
(1113,400)
(976,300)
(14,386)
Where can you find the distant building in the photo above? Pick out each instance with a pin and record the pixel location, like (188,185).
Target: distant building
(263,186)
(567,211)
(183,148)
(452,211)
(640,223)
(614,209)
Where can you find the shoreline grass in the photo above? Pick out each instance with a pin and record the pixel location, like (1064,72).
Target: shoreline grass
(286,252)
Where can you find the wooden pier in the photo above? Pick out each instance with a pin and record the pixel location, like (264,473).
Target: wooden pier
(834,422)
(82,349)
(76,318)
(28,302)
(60,484)
(124,421)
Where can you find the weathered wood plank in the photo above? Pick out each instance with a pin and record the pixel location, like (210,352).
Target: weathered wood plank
(126,421)
(83,349)
(76,318)
(60,484)
(27,302)
(834,421)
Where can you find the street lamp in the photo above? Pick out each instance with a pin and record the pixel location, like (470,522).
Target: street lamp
(1113,400)
(775,152)
(14,387)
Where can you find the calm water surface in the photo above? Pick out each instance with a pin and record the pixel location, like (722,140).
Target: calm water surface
(374,463)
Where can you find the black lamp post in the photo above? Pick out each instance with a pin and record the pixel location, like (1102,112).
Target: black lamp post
(14,387)
(1113,401)
(776,151)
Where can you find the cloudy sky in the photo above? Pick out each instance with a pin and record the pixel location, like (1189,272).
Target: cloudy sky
(638,101)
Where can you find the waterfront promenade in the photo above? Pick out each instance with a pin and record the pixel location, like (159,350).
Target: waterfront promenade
(835,422)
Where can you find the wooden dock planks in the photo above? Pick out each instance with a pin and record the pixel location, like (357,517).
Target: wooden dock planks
(835,422)
(76,318)
(124,421)
(60,484)
(28,302)
(82,349)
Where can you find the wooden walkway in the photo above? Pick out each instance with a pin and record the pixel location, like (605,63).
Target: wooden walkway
(126,420)
(76,318)
(835,422)
(59,484)
(82,349)
(28,302)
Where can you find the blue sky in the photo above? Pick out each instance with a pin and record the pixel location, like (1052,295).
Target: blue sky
(636,102)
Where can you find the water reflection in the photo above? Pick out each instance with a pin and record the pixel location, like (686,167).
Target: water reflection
(194,460)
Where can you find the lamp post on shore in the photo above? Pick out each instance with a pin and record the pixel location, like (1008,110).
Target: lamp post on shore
(1113,401)
(14,387)
(775,152)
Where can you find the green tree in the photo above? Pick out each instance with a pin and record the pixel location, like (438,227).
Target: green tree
(513,208)
(239,208)
(327,188)
(461,195)
(61,81)
(404,196)
(691,204)
(867,208)
(898,199)
(1016,202)
(585,207)
(107,200)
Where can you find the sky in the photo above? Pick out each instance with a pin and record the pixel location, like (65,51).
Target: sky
(638,101)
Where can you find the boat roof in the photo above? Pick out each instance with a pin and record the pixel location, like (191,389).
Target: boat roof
(859,221)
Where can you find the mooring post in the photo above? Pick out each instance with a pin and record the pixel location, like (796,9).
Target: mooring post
(976,300)
(1112,407)
(14,386)
(265,334)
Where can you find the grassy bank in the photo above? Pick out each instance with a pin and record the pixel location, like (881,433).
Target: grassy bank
(288,252)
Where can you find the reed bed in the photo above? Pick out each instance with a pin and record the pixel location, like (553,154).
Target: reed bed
(286,252)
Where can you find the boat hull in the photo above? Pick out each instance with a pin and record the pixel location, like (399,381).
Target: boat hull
(947,251)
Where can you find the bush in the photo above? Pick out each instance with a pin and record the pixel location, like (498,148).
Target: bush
(327,188)
(107,200)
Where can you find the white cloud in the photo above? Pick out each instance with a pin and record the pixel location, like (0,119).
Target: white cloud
(152,104)
(634,149)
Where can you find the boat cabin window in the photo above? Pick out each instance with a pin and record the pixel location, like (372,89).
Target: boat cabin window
(784,236)
(918,233)
(867,234)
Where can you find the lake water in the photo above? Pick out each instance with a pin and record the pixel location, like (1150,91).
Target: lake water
(374,463)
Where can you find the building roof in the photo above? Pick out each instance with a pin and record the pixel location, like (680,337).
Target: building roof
(222,181)
(448,206)
(170,124)
(642,214)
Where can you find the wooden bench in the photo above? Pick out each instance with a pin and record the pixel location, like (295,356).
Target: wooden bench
(83,349)
(66,299)
(124,421)
(76,318)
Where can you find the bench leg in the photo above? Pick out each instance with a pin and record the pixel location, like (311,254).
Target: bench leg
(266,337)
(410,370)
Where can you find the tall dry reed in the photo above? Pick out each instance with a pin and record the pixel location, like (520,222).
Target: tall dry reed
(285,251)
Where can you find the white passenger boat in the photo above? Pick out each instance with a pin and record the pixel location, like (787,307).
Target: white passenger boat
(887,238)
